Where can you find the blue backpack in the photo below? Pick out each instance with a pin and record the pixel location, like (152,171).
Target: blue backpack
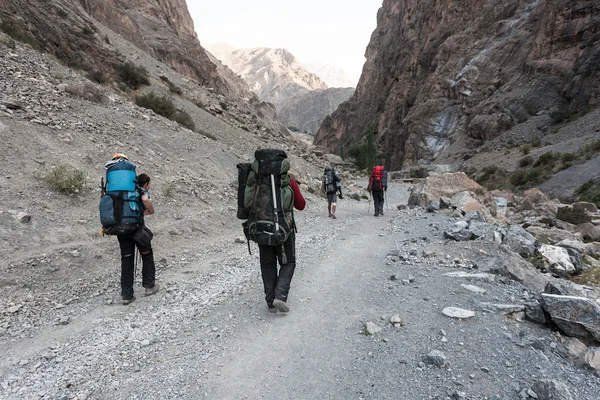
(120,204)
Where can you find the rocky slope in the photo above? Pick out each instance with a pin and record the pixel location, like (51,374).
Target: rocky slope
(444,77)
(333,76)
(307,111)
(273,74)
(276,76)
(78,32)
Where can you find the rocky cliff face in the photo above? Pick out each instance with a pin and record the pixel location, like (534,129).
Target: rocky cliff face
(70,29)
(307,111)
(301,98)
(439,73)
(275,75)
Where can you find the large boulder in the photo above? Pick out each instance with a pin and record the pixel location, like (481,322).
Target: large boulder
(588,231)
(558,259)
(467,202)
(573,214)
(551,235)
(551,390)
(576,316)
(435,187)
(520,241)
(535,200)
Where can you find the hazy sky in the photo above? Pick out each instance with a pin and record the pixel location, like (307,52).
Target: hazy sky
(334,32)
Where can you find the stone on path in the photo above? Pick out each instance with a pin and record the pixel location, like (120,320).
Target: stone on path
(455,312)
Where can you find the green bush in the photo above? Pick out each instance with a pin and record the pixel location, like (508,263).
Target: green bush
(536,142)
(589,191)
(185,119)
(525,149)
(526,161)
(365,152)
(65,179)
(164,106)
(19,33)
(161,105)
(87,31)
(97,76)
(567,157)
(293,129)
(547,159)
(132,75)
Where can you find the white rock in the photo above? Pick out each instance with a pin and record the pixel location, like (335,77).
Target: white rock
(473,288)
(455,312)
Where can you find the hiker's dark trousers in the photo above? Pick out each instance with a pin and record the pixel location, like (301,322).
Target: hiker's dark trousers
(127,265)
(378,198)
(277,285)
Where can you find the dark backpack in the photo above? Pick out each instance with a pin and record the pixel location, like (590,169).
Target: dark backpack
(268,198)
(330,180)
(243,172)
(377,178)
(120,203)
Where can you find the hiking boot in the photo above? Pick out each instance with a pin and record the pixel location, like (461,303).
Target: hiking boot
(330,215)
(381,214)
(149,291)
(128,301)
(272,308)
(281,305)
(333,216)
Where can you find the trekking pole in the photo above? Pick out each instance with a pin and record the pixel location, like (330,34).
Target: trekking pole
(387,205)
(369,205)
(137,253)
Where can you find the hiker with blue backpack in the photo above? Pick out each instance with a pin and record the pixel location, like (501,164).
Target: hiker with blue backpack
(267,196)
(124,202)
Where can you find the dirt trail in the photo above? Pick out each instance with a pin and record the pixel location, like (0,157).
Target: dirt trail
(209,334)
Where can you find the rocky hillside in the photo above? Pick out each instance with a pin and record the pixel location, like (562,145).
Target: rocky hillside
(307,111)
(276,76)
(79,32)
(333,76)
(443,78)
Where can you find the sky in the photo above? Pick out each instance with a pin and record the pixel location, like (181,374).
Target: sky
(334,32)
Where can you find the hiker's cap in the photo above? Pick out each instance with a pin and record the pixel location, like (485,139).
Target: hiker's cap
(120,155)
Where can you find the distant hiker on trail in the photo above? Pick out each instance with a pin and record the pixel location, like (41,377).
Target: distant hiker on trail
(332,185)
(267,196)
(377,187)
(124,202)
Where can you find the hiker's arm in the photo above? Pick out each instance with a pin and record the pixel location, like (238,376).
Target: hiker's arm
(149,209)
(299,201)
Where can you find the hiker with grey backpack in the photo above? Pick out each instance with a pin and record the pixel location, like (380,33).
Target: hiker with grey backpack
(267,196)
(332,185)
(124,202)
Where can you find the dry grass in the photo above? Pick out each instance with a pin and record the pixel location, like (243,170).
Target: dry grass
(86,91)
(65,179)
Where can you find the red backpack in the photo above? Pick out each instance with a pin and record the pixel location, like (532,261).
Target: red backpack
(376,178)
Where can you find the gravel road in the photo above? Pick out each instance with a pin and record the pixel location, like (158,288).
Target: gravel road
(209,334)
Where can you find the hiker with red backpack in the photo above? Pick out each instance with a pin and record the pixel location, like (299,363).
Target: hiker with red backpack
(377,187)
(267,196)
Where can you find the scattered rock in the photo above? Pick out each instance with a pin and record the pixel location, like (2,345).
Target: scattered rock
(551,390)
(435,358)
(371,328)
(455,312)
